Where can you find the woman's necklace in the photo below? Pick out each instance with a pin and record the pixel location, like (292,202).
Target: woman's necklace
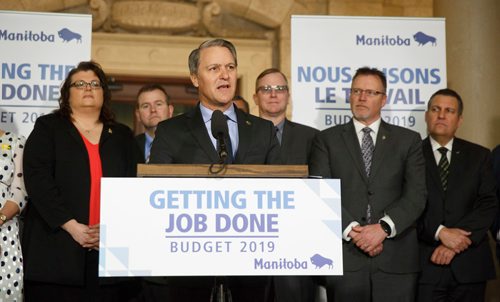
(88,131)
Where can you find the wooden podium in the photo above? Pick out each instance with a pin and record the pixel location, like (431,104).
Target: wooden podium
(203,170)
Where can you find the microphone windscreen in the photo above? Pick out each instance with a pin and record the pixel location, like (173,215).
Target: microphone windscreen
(219,124)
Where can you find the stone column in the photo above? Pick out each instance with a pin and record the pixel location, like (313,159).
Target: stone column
(473,64)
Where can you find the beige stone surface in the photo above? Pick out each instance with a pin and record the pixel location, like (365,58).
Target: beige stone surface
(155,15)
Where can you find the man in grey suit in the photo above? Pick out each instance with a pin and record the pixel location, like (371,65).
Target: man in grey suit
(187,139)
(272,98)
(382,173)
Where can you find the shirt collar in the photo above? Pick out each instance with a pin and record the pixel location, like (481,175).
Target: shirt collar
(207,113)
(358,126)
(435,145)
(281,125)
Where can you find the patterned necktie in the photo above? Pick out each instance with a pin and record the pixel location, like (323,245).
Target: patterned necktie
(367,149)
(444,167)
(367,152)
(278,134)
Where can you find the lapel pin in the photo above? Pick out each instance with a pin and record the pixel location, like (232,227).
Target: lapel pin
(248,123)
(383,137)
(110,131)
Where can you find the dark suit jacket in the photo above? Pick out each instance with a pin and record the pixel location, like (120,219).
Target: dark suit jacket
(396,187)
(469,204)
(296,143)
(496,224)
(184,140)
(57,178)
(141,142)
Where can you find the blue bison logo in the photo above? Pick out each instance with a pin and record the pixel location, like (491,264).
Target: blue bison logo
(320,261)
(423,39)
(67,35)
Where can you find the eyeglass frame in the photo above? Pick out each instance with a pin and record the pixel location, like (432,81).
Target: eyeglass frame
(268,89)
(93,84)
(368,92)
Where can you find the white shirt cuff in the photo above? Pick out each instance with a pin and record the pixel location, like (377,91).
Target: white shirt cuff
(391,224)
(436,236)
(348,229)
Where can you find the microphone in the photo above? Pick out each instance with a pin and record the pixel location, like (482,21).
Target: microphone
(219,132)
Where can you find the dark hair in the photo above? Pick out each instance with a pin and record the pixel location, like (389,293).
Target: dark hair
(194,56)
(152,87)
(448,92)
(106,116)
(269,71)
(371,71)
(245,103)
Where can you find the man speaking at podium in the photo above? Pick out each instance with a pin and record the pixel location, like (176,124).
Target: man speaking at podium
(188,139)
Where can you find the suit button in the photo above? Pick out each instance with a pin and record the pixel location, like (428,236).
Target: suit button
(363,218)
(370,193)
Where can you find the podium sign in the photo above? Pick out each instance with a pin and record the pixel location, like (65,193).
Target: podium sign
(220,226)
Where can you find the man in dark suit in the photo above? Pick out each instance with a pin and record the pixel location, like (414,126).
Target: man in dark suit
(272,97)
(152,108)
(455,254)
(383,194)
(187,139)
(495,229)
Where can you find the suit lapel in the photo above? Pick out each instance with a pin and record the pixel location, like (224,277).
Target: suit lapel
(285,140)
(382,147)
(430,164)
(352,143)
(245,135)
(457,163)
(199,131)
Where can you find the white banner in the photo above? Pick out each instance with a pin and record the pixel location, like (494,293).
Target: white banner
(208,227)
(327,51)
(37,51)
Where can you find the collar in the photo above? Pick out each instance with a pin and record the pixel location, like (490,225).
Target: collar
(358,126)
(435,145)
(207,113)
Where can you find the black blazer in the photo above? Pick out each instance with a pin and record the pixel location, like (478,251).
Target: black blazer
(57,178)
(296,143)
(396,186)
(141,142)
(495,228)
(184,139)
(469,204)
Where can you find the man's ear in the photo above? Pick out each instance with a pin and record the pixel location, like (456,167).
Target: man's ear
(194,79)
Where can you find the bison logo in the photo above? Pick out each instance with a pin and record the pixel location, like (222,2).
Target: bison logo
(423,39)
(319,261)
(67,35)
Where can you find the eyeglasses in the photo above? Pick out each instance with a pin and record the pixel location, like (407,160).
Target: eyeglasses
(276,88)
(368,92)
(82,84)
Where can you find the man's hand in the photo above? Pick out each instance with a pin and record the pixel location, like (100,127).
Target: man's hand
(368,238)
(442,255)
(455,239)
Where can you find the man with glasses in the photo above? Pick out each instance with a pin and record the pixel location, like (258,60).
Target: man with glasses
(152,108)
(382,173)
(272,97)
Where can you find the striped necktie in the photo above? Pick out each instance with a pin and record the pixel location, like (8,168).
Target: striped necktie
(444,167)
